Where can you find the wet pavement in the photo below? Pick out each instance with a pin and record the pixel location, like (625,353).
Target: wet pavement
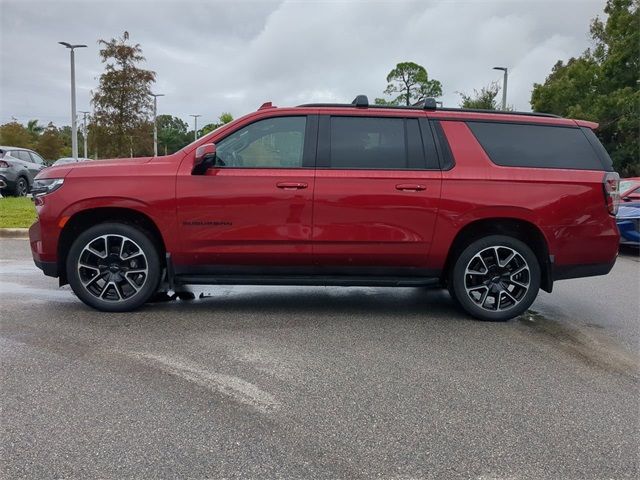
(269,382)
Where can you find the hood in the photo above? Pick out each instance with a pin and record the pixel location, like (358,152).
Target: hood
(62,171)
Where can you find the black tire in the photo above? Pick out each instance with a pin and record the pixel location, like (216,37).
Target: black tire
(22,187)
(120,274)
(505,297)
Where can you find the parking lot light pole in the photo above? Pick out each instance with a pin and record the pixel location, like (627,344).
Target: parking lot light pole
(84,132)
(155,123)
(74,126)
(195,125)
(504,86)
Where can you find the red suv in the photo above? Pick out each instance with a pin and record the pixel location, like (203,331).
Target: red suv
(491,205)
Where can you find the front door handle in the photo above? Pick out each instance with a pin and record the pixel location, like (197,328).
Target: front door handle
(291,185)
(410,187)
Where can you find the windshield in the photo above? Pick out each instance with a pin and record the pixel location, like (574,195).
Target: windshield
(627,185)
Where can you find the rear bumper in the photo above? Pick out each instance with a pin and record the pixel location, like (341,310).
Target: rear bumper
(50,269)
(8,177)
(564,272)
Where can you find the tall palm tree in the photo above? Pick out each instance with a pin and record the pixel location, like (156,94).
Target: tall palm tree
(34,129)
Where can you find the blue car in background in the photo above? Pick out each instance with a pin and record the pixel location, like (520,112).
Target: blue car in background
(628,218)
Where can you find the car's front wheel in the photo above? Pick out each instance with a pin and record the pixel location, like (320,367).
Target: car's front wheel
(495,278)
(113,267)
(22,187)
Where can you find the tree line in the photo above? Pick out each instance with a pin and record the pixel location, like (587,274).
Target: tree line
(122,121)
(600,85)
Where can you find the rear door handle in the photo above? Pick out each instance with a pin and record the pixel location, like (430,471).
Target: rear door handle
(410,187)
(291,185)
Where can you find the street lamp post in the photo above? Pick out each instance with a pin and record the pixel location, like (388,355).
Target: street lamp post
(155,123)
(195,125)
(504,86)
(74,126)
(84,132)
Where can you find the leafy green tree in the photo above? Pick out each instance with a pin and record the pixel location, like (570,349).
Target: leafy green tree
(411,84)
(50,143)
(484,99)
(122,105)
(602,84)
(15,135)
(172,133)
(65,135)
(223,119)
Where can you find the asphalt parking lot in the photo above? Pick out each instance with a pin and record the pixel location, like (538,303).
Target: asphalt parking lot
(339,383)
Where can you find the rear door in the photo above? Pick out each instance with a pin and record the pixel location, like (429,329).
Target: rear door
(376,199)
(252,211)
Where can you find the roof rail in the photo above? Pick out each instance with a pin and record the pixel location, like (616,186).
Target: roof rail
(361,101)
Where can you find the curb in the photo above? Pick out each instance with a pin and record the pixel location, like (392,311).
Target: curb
(22,233)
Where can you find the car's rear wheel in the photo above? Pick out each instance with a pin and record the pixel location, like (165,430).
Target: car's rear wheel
(113,267)
(496,278)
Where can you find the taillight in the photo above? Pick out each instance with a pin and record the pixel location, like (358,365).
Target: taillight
(3,164)
(611,184)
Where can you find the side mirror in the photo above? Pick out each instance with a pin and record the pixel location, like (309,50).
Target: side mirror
(205,157)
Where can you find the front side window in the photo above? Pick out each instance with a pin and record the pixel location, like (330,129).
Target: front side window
(37,158)
(271,143)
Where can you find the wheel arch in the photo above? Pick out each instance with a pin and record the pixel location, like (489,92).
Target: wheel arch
(523,230)
(84,219)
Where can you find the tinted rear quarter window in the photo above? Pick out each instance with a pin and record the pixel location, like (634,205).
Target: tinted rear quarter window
(538,146)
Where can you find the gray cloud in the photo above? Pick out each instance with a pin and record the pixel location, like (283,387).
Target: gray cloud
(212,57)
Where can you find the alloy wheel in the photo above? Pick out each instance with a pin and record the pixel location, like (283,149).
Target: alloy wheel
(113,268)
(497,278)
(21,187)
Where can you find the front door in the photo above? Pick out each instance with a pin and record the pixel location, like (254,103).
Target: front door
(251,212)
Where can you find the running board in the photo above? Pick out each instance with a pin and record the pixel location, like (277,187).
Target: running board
(316,280)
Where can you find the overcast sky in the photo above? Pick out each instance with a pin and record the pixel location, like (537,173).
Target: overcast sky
(215,56)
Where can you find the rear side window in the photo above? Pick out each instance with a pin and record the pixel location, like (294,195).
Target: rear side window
(22,155)
(368,142)
(375,143)
(539,146)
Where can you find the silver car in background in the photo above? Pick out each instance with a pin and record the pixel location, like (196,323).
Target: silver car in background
(18,167)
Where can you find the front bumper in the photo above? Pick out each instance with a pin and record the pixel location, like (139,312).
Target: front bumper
(47,265)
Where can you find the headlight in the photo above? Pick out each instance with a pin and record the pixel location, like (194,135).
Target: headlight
(46,185)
